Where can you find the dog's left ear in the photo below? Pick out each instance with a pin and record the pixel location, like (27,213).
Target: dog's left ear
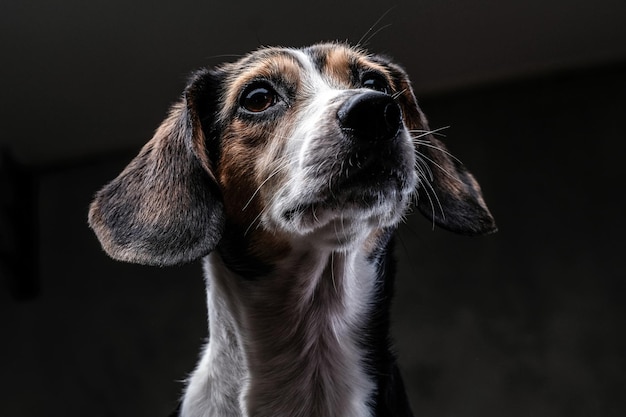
(447,192)
(165,207)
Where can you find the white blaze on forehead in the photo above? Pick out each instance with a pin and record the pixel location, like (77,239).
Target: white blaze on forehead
(318,93)
(312,78)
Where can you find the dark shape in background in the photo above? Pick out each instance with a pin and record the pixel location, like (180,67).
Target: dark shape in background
(19,223)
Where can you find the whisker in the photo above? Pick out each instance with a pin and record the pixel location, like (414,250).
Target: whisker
(438,148)
(363,41)
(429,132)
(281,164)
(369,38)
(261,213)
(258,216)
(429,187)
(423,169)
(425,180)
(442,169)
(276,171)
(398,94)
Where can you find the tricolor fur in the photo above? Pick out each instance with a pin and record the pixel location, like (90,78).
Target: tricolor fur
(288,171)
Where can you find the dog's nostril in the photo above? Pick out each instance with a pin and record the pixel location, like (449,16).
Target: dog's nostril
(370,116)
(393,117)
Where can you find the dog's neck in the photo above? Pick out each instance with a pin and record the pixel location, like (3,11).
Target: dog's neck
(289,343)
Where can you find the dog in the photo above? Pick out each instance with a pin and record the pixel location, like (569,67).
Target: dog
(287,172)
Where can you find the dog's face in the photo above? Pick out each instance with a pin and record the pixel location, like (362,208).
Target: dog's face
(313,142)
(323,144)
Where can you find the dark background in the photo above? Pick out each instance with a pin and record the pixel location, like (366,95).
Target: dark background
(527,322)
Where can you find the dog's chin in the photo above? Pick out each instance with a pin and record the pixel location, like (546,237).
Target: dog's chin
(343,217)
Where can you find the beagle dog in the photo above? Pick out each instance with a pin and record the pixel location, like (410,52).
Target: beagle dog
(287,172)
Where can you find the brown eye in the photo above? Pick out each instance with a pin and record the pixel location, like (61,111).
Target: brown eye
(376,82)
(258,97)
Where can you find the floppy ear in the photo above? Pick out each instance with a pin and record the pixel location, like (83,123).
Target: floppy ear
(447,192)
(165,207)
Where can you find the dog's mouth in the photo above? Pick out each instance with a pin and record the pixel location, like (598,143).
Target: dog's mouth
(372,187)
(375,171)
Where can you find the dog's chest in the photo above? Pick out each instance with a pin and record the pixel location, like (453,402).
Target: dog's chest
(300,333)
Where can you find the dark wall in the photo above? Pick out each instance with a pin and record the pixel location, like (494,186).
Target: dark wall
(525,322)
(530,321)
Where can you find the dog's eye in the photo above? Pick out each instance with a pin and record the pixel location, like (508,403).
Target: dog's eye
(376,82)
(258,97)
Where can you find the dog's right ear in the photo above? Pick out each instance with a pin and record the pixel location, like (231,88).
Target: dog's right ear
(165,207)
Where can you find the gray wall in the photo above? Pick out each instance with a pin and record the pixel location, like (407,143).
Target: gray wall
(526,322)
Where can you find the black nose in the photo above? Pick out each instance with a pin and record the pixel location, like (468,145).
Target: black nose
(370,116)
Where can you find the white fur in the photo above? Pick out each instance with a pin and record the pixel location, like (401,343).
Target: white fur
(323,302)
(216,385)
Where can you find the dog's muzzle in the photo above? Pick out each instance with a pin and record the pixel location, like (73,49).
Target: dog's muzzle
(360,166)
(374,155)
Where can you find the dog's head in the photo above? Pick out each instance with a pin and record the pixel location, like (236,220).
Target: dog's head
(323,144)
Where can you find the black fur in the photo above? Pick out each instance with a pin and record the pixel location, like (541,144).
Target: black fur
(390,398)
